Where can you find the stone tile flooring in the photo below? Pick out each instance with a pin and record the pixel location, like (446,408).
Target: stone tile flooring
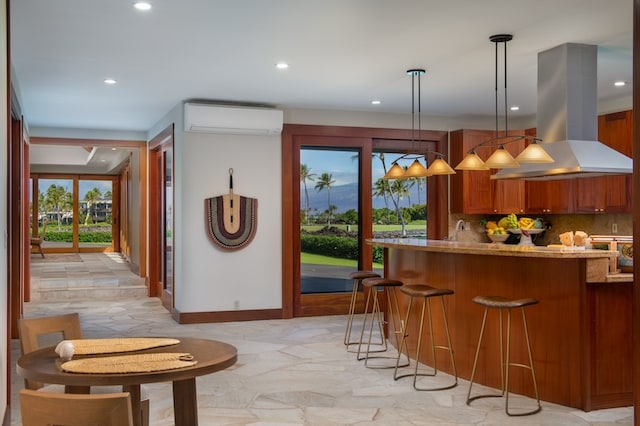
(295,372)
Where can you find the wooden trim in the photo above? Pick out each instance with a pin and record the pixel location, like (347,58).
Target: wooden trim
(226,316)
(144,199)
(154,152)
(636,208)
(287,219)
(122,143)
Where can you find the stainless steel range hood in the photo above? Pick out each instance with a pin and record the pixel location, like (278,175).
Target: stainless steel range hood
(567,119)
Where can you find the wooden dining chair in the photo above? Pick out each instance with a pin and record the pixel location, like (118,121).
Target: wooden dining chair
(36,333)
(45,409)
(38,241)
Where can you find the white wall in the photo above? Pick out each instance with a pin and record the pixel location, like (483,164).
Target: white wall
(206,278)
(245,279)
(4,351)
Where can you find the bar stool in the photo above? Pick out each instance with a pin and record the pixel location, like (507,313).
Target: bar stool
(502,303)
(357,278)
(375,285)
(426,292)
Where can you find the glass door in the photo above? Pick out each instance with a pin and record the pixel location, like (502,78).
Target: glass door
(329,219)
(95,210)
(55,213)
(74,213)
(167,223)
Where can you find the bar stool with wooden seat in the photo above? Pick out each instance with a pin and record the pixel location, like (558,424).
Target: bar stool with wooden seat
(502,303)
(375,286)
(357,278)
(426,292)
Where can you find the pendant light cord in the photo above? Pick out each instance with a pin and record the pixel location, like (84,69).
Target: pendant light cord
(496,39)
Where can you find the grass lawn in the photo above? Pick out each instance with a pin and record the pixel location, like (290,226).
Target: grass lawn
(317,259)
(416,225)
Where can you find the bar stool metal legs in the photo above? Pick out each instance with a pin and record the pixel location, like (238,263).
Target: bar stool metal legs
(376,286)
(501,304)
(426,292)
(357,278)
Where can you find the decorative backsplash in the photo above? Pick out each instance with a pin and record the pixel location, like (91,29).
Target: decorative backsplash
(596,224)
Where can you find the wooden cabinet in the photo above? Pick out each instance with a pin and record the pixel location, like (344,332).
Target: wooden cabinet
(473,192)
(610,194)
(550,197)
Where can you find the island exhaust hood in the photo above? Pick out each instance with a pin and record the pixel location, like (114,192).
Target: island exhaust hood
(567,119)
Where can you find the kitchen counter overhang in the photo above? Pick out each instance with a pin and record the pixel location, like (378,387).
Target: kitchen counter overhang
(580,330)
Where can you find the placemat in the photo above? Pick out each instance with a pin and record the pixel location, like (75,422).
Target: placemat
(138,363)
(125,344)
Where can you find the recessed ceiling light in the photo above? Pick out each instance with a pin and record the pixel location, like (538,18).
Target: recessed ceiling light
(110,81)
(515,108)
(114,149)
(282,65)
(620,83)
(142,5)
(375,102)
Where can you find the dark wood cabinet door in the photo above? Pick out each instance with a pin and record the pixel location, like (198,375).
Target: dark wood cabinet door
(471,191)
(550,197)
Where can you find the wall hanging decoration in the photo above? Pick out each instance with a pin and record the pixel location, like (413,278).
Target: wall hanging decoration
(231,220)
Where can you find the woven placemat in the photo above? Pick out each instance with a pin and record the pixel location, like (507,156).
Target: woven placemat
(138,363)
(125,344)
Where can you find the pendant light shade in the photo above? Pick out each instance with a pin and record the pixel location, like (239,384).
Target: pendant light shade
(440,167)
(395,172)
(501,159)
(416,169)
(472,161)
(534,153)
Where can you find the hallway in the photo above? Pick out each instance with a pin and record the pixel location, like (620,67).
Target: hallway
(293,372)
(78,276)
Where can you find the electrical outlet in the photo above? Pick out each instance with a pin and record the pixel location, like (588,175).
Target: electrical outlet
(467,225)
(236,304)
(614,228)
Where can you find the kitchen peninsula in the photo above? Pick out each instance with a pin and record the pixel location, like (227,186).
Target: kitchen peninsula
(580,331)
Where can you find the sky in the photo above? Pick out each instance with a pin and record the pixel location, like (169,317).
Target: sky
(341,164)
(83,186)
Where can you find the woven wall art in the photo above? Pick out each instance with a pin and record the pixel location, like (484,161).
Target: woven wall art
(231,220)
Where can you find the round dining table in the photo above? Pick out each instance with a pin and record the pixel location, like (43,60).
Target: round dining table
(44,366)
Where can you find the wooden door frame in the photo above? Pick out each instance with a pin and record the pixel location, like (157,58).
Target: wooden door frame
(292,302)
(155,147)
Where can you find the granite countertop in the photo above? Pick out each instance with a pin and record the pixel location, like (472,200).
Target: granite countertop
(620,278)
(490,249)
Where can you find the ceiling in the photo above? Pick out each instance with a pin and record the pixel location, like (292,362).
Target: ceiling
(342,54)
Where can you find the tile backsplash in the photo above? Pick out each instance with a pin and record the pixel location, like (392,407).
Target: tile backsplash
(592,224)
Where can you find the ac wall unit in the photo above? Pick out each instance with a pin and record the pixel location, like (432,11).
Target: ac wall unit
(232,120)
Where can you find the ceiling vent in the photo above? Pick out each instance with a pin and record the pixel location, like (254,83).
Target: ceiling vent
(231,120)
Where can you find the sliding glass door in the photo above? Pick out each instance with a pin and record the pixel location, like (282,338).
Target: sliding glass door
(329,225)
(74,213)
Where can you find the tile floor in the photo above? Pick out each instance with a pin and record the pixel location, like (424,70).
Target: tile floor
(294,372)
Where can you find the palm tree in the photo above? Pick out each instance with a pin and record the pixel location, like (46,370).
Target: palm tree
(398,189)
(421,183)
(381,189)
(57,199)
(91,198)
(325,181)
(306,175)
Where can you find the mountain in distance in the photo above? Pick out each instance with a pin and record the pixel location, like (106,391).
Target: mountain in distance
(345,197)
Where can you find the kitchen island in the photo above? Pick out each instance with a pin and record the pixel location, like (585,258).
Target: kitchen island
(580,331)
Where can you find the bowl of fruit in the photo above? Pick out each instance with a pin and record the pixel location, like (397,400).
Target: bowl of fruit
(497,235)
(495,232)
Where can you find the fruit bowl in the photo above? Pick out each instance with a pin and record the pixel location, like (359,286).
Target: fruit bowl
(498,238)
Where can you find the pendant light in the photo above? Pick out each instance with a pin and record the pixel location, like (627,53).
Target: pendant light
(416,170)
(501,158)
